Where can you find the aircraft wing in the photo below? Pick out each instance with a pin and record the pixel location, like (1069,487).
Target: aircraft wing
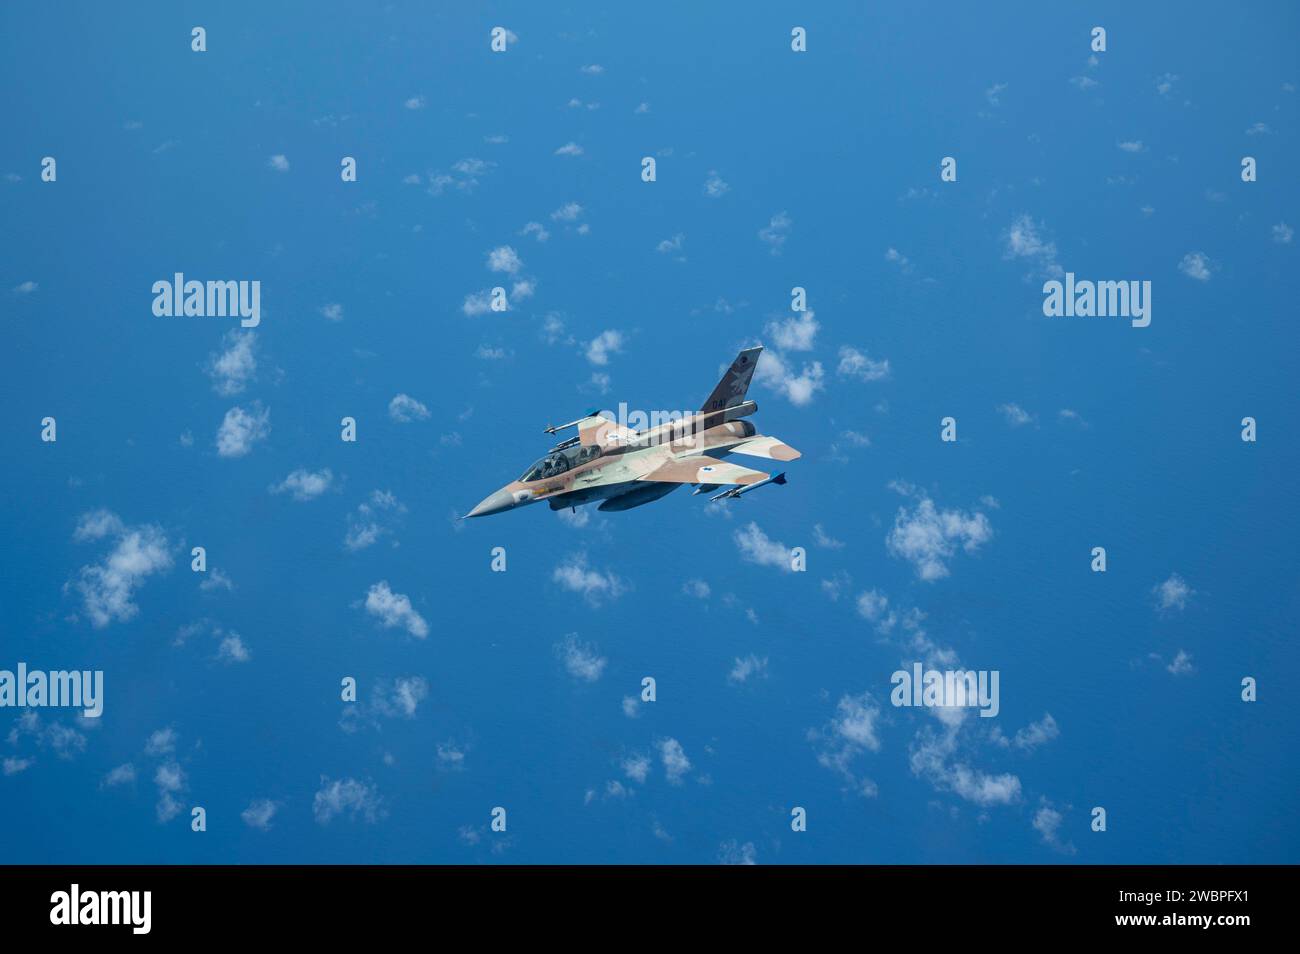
(703,470)
(769,447)
(602,432)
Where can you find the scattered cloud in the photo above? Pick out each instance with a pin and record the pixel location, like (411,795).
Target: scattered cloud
(405,409)
(1023,239)
(259,813)
(750,666)
(1173,593)
(347,797)
(595,587)
(108,587)
(395,609)
(774,234)
(756,547)
(674,759)
(856,364)
(928,537)
(581,660)
(234,367)
(240,429)
(305,485)
(714,186)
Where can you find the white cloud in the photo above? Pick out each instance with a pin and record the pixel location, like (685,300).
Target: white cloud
(822,539)
(850,733)
(535,229)
(415,102)
(1016,415)
(1173,593)
(233,650)
(674,759)
(122,775)
(569,149)
(714,186)
(637,767)
(734,853)
(305,485)
(373,519)
(404,409)
(1165,83)
(107,587)
(395,609)
(504,259)
(668,246)
(855,364)
(756,547)
(603,345)
(930,759)
(596,587)
(479,303)
(346,797)
(259,813)
(581,660)
(26,288)
(1283,233)
(161,742)
(170,782)
(1182,664)
(696,588)
(1196,265)
(796,333)
(279,163)
(12,766)
(401,698)
(1031,736)
(749,666)
(799,387)
(450,756)
(894,256)
(1047,822)
(233,368)
(776,232)
(332,311)
(928,537)
(1132,145)
(569,212)
(241,429)
(1023,240)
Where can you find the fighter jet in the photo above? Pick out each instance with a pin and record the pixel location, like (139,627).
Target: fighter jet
(624,468)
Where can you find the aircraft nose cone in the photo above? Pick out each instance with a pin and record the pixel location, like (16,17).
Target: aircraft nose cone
(493,503)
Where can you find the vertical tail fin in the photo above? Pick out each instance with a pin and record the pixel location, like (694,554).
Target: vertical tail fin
(730,391)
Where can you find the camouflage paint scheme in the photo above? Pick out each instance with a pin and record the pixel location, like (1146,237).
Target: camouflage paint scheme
(625,468)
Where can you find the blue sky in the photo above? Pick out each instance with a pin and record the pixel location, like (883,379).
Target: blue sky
(775,169)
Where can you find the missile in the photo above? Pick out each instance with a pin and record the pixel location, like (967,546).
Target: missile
(552,428)
(737,491)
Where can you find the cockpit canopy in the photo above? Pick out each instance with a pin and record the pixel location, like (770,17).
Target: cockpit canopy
(559,461)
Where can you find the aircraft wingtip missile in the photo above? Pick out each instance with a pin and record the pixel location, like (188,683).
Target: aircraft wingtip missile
(735,492)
